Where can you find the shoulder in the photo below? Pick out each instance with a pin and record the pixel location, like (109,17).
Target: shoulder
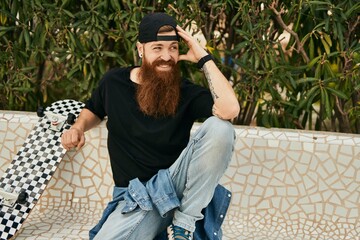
(118,72)
(114,75)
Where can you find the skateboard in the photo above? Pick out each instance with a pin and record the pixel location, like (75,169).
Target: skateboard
(30,171)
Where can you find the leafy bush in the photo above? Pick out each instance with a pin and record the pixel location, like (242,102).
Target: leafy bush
(51,50)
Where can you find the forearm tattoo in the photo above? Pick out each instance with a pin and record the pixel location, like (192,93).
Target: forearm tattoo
(211,87)
(214,112)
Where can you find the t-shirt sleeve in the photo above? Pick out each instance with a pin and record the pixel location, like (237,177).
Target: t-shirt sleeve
(202,103)
(97,102)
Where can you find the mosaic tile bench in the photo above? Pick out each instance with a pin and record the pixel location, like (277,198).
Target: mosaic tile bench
(286,184)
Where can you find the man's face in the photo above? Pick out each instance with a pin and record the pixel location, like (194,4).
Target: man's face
(163,55)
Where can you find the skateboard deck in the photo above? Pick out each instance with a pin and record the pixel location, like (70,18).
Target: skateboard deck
(30,171)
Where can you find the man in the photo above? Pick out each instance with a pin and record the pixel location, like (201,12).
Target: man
(162,179)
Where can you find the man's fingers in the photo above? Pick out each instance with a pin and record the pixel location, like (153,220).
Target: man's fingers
(81,142)
(75,138)
(64,141)
(196,51)
(184,35)
(72,138)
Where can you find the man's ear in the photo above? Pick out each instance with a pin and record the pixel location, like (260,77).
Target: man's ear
(140,48)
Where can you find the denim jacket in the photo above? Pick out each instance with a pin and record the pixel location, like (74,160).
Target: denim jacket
(159,192)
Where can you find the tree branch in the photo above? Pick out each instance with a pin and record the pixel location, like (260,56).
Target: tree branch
(278,18)
(353,27)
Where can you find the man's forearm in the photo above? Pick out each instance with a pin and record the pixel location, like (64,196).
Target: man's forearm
(226,105)
(86,120)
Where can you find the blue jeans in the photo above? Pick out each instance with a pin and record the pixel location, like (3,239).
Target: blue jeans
(195,175)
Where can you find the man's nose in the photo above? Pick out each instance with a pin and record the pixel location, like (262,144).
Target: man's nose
(166,56)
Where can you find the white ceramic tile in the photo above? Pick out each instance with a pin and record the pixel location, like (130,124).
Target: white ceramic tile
(286,184)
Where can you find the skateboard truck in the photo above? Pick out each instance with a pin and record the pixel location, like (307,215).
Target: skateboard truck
(57,121)
(9,199)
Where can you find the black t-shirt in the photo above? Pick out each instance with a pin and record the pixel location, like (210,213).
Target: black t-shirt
(140,145)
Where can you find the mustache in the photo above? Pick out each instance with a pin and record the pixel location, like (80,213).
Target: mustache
(158,62)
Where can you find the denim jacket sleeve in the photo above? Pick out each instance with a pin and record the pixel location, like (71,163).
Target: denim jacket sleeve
(159,192)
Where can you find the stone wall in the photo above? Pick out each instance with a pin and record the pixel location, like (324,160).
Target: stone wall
(286,184)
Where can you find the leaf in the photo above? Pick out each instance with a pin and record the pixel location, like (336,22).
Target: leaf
(326,45)
(5,29)
(115,4)
(313,61)
(354,9)
(327,22)
(27,69)
(340,35)
(39,36)
(327,39)
(319,26)
(325,102)
(319,3)
(256,60)
(318,71)
(308,79)
(2,34)
(72,72)
(68,13)
(243,34)
(27,38)
(311,50)
(239,46)
(235,18)
(110,54)
(45,95)
(265,119)
(307,100)
(311,95)
(64,3)
(266,61)
(337,93)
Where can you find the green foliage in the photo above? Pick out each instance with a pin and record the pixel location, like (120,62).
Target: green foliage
(60,49)
(329,33)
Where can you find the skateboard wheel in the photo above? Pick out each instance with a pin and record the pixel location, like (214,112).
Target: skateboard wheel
(23,196)
(40,111)
(71,118)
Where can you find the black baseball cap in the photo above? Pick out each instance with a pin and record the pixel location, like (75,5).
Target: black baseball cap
(150,25)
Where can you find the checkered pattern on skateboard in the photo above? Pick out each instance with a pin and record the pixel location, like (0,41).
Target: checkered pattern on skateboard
(33,167)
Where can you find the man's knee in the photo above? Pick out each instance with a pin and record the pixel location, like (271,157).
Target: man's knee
(220,131)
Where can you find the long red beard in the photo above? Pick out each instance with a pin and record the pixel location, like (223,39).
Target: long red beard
(159,91)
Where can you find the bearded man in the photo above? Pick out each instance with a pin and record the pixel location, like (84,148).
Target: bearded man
(163,178)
